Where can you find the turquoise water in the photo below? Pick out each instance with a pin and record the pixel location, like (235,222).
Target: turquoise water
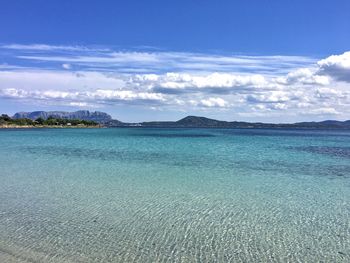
(174,195)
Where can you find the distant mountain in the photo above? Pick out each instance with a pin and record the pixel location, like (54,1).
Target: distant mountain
(202,122)
(97,116)
(189,121)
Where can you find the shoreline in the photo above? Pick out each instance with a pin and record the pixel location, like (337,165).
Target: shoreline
(48,127)
(172,127)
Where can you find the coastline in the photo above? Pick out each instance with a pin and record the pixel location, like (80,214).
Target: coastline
(47,126)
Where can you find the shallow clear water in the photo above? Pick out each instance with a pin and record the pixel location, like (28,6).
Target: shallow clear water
(174,195)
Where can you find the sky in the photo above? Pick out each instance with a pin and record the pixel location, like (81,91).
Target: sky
(271,61)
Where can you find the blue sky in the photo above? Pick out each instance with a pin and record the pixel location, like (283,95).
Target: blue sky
(146,60)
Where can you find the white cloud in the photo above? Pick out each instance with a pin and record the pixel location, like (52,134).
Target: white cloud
(79,98)
(336,66)
(80,104)
(328,93)
(303,76)
(149,61)
(271,97)
(66,66)
(44,47)
(324,111)
(213,102)
(58,80)
(183,81)
(124,95)
(280,106)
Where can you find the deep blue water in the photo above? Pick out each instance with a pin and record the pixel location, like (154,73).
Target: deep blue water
(174,195)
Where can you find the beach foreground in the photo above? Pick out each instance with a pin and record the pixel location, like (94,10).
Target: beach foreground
(174,195)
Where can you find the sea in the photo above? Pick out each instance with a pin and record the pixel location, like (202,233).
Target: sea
(174,195)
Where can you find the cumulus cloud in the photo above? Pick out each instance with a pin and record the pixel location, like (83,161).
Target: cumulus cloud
(219,82)
(303,76)
(324,111)
(336,66)
(214,102)
(329,93)
(81,104)
(272,97)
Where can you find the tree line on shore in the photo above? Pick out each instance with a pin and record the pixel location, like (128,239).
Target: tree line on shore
(50,121)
